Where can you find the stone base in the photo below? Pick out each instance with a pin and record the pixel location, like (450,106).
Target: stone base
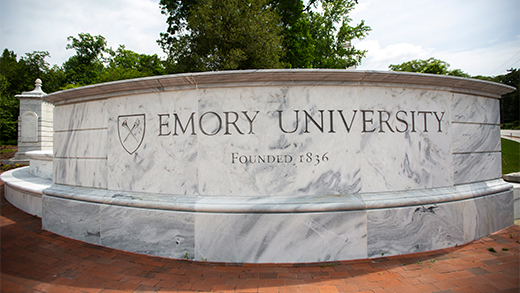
(260,230)
(24,190)
(279,230)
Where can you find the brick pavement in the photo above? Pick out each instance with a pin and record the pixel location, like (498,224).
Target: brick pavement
(33,260)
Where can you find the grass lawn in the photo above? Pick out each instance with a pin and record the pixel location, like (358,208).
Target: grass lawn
(510,156)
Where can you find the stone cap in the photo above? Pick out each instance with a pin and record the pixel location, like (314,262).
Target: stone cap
(512,177)
(45,155)
(280,77)
(36,93)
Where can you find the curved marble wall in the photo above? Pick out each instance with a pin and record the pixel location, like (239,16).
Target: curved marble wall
(278,165)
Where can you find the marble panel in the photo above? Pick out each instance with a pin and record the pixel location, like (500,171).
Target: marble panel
(475,109)
(487,214)
(81,172)
(229,142)
(476,167)
(414,229)
(406,143)
(29,127)
(315,154)
(23,200)
(41,169)
(277,238)
(86,115)
(154,232)
(163,162)
(469,138)
(81,144)
(74,219)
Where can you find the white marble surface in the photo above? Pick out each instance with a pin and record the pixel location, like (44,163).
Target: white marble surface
(476,167)
(78,116)
(275,237)
(475,109)
(40,163)
(317,158)
(414,229)
(28,202)
(24,190)
(81,172)
(41,169)
(279,238)
(476,138)
(81,144)
(74,219)
(153,232)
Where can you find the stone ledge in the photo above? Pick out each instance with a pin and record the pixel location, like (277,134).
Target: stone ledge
(279,77)
(297,204)
(512,177)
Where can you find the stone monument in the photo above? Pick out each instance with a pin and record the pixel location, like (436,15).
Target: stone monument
(34,123)
(271,166)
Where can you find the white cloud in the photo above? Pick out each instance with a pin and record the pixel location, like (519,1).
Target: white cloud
(34,25)
(380,58)
(478,36)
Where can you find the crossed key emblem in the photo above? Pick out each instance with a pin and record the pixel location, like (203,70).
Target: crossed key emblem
(131,130)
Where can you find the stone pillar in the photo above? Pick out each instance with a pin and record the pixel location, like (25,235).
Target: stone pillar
(35,123)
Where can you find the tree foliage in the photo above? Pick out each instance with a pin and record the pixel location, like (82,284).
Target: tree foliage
(431,65)
(93,62)
(233,34)
(509,103)
(87,65)
(126,64)
(225,34)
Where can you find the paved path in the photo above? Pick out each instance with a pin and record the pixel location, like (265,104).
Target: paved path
(510,134)
(33,260)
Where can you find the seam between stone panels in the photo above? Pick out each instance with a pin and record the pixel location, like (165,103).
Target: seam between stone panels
(476,152)
(85,129)
(475,123)
(81,158)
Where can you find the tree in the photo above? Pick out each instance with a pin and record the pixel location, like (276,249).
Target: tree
(223,35)
(431,65)
(125,64)
(332,35)
(17,76)
(86,66)
(510,103)
(232,34)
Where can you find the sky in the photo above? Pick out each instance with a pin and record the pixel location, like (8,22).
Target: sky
(481,37)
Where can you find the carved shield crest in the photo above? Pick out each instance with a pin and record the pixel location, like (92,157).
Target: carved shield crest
(131,131)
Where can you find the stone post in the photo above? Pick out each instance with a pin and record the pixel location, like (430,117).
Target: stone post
(35,123)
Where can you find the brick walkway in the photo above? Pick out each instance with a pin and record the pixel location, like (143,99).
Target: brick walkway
(33,260)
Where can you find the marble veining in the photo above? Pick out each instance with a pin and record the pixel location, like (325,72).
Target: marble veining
(414,229)
(277,165)
(278,238)
(81,144)
(74,219)
(161,233)
(475,109)
(77,116)
(476,167)
(471,138)
(81,172)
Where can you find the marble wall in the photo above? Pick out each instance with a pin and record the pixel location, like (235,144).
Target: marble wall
(356,140)
(245,167)
(80,144)
(262,237)
(399,138)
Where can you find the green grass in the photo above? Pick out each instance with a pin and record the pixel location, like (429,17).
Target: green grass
(510,156)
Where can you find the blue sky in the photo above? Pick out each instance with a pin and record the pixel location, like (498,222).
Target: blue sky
(481,37)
